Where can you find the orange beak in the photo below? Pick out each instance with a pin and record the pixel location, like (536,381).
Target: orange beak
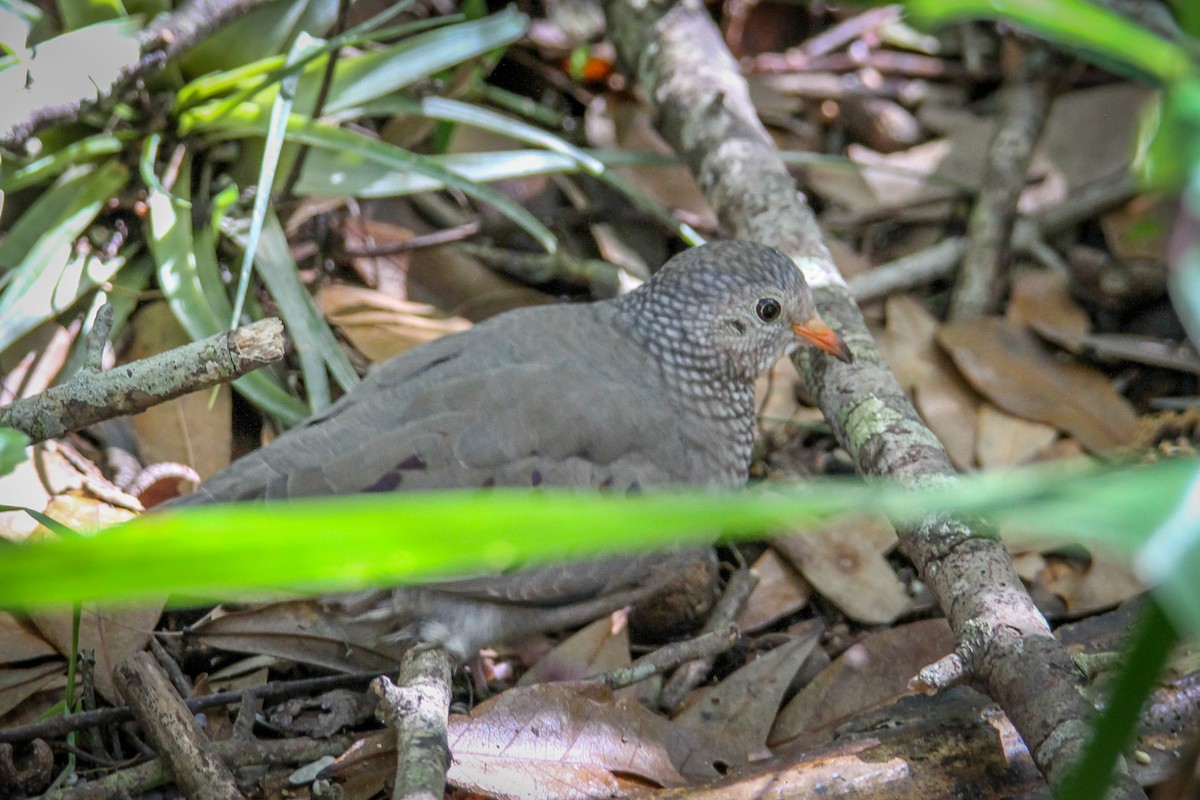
(815,330)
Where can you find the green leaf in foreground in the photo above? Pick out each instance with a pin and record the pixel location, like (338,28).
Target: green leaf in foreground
(12,449)
(351,541)
(1144,660)
(1075,23)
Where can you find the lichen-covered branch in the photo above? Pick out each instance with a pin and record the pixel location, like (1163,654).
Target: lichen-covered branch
(92,396)
(678,57)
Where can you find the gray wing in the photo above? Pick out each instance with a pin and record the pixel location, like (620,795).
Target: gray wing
(548,396)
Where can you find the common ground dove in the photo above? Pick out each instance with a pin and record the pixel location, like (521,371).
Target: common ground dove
(650,389)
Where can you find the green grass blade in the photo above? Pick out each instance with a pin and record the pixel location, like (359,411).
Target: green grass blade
(12,449)
(316,345)
(378,73)
(170,236)
(74,154)
(342,172)
(49,275)
(1075,23)
(349,541)
(281,109)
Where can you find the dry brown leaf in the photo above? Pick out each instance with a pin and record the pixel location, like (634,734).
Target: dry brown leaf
(780,591)
(951,410)
(1042,300)
(601,646)
(775,397)
(850,262)
(22,487)
(20,641)
(941,396)
(18,684)
(1028,564)
(46,473)
(380,326)
(111,633)
(1088,588)
(845,564)
(868,673)
(908,344)
(621,121)
(1088,134)
(1139,229)
(306,631)
(1005,440)
(727,725)
(1011,367)
(388,273)
(559,741)
(195,429)
(452,280)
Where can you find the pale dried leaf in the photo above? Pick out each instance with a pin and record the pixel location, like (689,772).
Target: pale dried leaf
(622,121)
(559,741)
(727,725)
(909,342)
(844,562)
(1088,588)
(1010,367)
(601,646)
(1006,441)
(18,684)
(20,641)
(868,673)
(940,395)
(386,273)
(195,429)
(380,326)
(1042,300)
(780,591)
(306,631)
(951,410)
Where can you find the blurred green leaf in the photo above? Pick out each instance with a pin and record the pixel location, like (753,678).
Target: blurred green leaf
(1169,137)
(12,449)
(49,274)
(248,121)
(1075,23)
(76,14)
(380,72)
(169,233)
(1187,14)
(74,154)
(349,541)
(1170,560)
(1145,658)
(281,109)
(267,30)
(316,345)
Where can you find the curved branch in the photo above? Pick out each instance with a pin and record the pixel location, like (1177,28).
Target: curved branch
(678,57)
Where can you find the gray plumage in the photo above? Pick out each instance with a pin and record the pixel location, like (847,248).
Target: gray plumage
(649,389)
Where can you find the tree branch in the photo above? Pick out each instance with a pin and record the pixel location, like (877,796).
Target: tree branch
(91,396)
(678,57)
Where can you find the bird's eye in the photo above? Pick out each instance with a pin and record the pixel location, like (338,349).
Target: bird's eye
(768,309)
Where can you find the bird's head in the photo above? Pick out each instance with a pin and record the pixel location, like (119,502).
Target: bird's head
(743,304)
